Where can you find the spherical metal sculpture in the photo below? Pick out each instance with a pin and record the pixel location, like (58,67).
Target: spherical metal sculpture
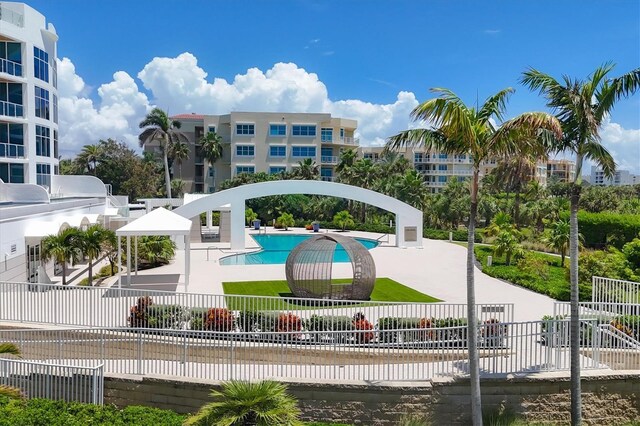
(309,267)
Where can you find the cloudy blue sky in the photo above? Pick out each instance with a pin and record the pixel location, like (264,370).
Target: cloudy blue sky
(369,60)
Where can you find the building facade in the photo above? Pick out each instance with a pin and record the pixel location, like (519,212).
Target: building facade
(561,170)
(620,178)
(256,142)
(28,96)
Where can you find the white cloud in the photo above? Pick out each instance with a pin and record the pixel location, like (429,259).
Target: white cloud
(623,144)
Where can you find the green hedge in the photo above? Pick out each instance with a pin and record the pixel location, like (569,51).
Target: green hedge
(606,228)
(458,235)
(59,413)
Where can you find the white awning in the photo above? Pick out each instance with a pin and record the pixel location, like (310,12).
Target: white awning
(158,222)
(42,229)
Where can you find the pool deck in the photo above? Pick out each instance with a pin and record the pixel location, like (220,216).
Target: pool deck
(437,269)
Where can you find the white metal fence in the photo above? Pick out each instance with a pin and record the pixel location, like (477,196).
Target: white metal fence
(357,354)
(608,290)
(54,381)
(113,307)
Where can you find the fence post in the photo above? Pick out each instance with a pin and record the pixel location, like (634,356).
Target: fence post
(139,354)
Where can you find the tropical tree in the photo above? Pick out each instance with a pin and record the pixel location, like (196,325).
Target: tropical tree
(559,238)
(345,162)
(307,169)
(410,188)
(250,216)
(514,173)
(62,247)
(92,243)
(156,250)
(343,220)
(89,157)
(462,130)
(286,220)
(177,187)
(179,152)
(582,106)
(158,127)
(241,403)
(501,222)
(211,146)
(10,391)
(506,243)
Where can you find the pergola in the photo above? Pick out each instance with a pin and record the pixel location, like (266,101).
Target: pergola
(158,222)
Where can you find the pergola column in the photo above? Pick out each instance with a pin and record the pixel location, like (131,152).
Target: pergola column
(119,262)
(237,225)
(187,262)
(128,261)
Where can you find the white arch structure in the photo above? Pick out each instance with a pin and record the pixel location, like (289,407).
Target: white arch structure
(408,219)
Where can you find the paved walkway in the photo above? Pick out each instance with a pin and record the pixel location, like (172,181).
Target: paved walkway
(437,269)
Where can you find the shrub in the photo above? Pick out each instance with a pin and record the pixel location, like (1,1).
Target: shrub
(253,321)
(531,264)
(166,316)
(219,319)
(611,264)
(607,228)
(628,324)
(288,323)
(138,312)
(363,336)
(458,235)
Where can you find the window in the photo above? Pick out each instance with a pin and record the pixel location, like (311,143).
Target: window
(303,151)
(211,129)
(277,130)
(442,167)
(11,99)
(12,173)
(326,152)
(212,172)
(245,150)
(43,141)
(55,144)
(245,129)
(11,58)
(341,134)
(326,172)
(40,64)
(42,103)
(442,179)
(55,109)
(326,135)
(54,74)
(417,157)
(277,151)
(43,174)
(442,156)
(245,169)
(303,130)
(274,170)
(11,140)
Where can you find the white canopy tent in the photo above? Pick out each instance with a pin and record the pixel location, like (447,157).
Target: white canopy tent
(158,222)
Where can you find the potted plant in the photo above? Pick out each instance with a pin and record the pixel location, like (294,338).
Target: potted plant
(316,226)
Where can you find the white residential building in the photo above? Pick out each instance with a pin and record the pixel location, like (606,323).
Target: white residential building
(28,96)
(620,178)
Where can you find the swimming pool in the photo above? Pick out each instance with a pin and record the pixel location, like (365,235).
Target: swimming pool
(276,248)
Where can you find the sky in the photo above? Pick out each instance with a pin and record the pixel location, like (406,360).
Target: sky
(373,61)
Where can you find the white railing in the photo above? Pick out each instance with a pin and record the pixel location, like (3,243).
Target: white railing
(608,290)
(601,310)
(11,16)
(113,307)
(54,381)
(10,67)
(328,159)
(11,109)
(447,172)
(8,150)
(435,160)
(328,354)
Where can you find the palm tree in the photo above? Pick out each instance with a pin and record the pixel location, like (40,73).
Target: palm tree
(241,403)
(343,219)
(347,158)
(515,172)
(211,145)
(92,242)
(156,250)
(158,127)
(10,391)
(459,129)
(89,157)
(507,243)
(179,152)
(559,238)
(410,188)
(177,187)
(63,247)
(286,220)
(581,106)
(307,169)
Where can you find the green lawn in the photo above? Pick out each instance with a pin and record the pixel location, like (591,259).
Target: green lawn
(385,290)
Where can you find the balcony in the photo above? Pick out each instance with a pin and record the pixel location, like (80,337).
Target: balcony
(329,159)
(11,17)
(343,141)
(328,178)
(10,109)
(447,172)
(11,151)
(10,67)
(432,160)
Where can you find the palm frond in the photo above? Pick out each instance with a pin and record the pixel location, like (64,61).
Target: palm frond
(596,152)
(9,348)
(627,84)
(150,134)
(11,392)
(531,133)
(413,138)
(495,106)
(448,110)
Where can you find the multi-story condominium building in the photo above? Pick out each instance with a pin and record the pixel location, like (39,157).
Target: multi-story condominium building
(261,142)
(620,178)
(439,168)
(28,96)
(562,170)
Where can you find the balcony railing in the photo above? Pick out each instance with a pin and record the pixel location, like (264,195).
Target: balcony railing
(10,67)
(447,172)
(345,140)
(329,159)
(432,160)
(12,17)
(328,178)
(11,151)
(11,110)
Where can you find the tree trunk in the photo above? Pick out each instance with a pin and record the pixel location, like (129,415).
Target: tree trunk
(472,329)
(576,397)
(64,272)
(562,258)
(167,178)
(516,210)
(90,272)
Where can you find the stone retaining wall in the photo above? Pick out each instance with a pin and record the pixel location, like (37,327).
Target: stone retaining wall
(609,399)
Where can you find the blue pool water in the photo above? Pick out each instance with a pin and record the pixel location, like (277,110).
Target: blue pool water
(276,248)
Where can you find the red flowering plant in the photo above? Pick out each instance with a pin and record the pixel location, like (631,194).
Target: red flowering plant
(494,332)
(288,323)
(427,323)
(138,312)
(362,325)
(219,319)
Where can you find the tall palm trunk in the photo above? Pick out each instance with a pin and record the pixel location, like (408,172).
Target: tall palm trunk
(64,272)
(472,330)
(167,178)
(90,272)
(576,397)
